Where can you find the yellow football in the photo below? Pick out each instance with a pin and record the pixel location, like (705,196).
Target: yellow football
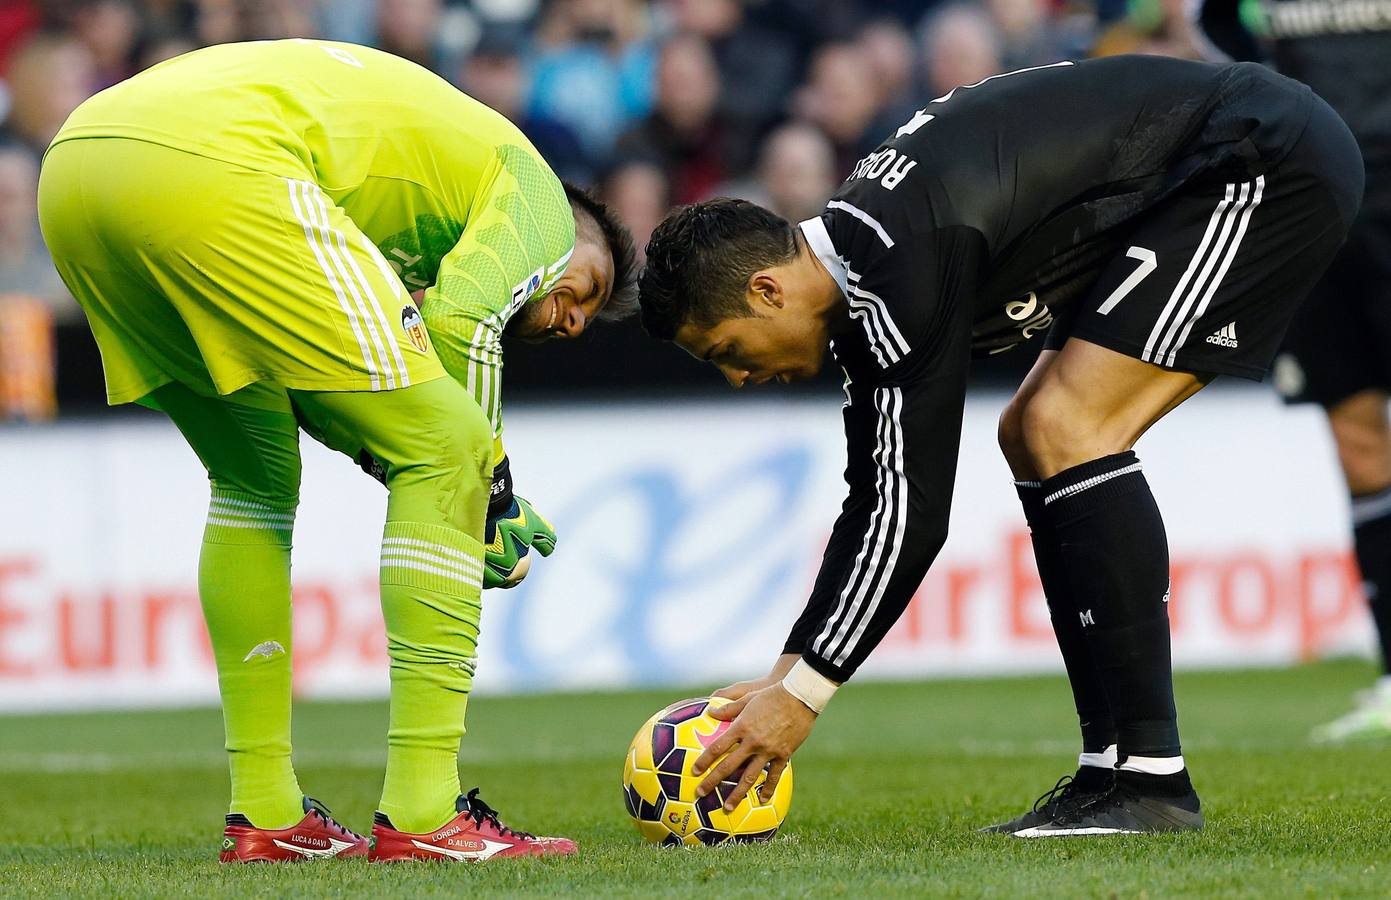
(660,791)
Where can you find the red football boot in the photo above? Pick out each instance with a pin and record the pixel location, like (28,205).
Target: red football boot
(317,836)
(474,835)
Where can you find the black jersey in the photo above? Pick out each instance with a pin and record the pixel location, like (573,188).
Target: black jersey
(991,207)
(1340,48)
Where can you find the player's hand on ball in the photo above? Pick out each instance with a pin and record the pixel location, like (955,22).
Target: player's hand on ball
(769,724)
(740,688)
(509,539)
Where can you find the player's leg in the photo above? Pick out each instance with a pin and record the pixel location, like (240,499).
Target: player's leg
(1208,286)
(251,452)
(1362,433)
(1090,407)
(1097,759)
(1336,355)
(249,443)
(435,444)
(175,291)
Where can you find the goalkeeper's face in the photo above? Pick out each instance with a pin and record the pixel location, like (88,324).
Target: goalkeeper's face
(577,298)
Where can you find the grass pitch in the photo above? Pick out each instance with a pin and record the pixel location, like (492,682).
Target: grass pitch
(890,790)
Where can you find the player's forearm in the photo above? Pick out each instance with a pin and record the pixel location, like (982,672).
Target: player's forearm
(878,553)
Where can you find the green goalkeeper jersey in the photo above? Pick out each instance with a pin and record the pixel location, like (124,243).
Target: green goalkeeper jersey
(451,192)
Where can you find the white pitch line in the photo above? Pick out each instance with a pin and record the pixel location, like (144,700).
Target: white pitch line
(84,761)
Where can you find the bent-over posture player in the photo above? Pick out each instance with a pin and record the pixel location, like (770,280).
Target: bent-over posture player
(244,226)
(1161,220)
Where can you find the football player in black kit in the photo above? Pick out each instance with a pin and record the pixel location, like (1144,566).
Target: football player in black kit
(1338,353)
(1161,220)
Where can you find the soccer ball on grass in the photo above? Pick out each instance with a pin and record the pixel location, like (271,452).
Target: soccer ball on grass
(660,791)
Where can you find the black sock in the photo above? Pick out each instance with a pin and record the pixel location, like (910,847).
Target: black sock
(1176,786)
(1115,556)
(1088,692)
(1371,532)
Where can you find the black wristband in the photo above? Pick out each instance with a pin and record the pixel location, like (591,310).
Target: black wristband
(500,495)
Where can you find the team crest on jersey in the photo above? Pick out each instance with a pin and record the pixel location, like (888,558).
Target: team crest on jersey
(414,327)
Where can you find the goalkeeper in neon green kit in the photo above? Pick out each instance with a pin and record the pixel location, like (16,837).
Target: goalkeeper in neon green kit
(245,227)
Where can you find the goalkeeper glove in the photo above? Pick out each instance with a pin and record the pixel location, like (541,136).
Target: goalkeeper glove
(514,527)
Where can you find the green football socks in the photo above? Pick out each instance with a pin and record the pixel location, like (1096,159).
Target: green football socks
(435,445)
(432,581)
(244,583)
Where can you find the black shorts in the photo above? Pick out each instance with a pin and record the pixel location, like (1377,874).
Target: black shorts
(1212,277)
(1340,342)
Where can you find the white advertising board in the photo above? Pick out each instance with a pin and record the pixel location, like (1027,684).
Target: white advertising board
(689,536)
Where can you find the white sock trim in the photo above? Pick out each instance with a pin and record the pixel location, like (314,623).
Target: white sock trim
(1089,483)
(1152,765)
(1106,759)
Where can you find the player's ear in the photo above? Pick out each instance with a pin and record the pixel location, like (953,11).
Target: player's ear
(765,290)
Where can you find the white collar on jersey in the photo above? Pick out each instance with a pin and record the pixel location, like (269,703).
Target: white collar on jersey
(819,240)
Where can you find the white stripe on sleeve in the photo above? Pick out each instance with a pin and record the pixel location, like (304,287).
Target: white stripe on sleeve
(884,534)
(899,486)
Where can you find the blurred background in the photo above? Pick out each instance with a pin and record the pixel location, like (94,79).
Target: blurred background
(691,522)
(651,103)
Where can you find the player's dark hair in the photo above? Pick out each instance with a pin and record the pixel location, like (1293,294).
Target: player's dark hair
(700,259)
(623,298)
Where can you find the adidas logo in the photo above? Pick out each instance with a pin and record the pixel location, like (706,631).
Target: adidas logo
(1224,338)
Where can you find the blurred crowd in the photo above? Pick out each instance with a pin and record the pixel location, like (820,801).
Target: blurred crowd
(652,102)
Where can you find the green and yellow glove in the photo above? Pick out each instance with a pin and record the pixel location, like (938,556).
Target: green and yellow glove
(514,528)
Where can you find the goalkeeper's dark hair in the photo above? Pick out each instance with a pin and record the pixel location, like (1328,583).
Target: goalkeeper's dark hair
(700,259)
(623,296)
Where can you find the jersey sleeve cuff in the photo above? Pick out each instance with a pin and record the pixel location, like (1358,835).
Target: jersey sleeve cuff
(838,674)
(809,686)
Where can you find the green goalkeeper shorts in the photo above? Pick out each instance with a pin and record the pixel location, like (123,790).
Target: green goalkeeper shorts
(217,276)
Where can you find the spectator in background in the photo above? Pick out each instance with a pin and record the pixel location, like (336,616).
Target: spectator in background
(684,133)
(25,267)
(807,24)
(593,69)
(892,58)
(494,75)
(31,294)
(638,192)
(1028,35)
(409,28)
(797,171)
(757,65)
(962,45)
(222,21)
(1158,27)
(50,74)
(841,100)
(155,47)
(110,30)
(17,21)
